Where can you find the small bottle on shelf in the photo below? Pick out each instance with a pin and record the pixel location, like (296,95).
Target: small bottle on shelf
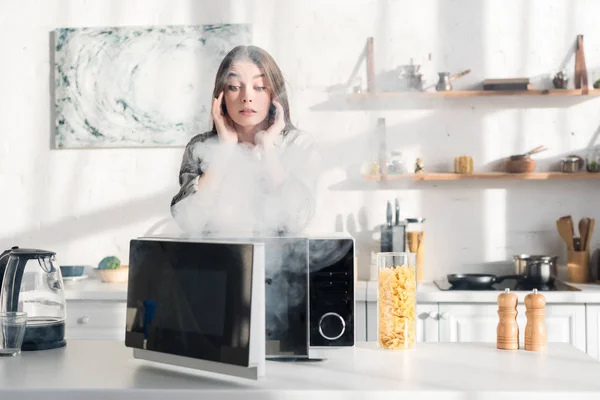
(396,163)
(507,332)
(419,166)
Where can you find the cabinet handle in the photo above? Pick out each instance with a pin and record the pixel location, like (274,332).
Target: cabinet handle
(445,315)
(83,320)
(433,315)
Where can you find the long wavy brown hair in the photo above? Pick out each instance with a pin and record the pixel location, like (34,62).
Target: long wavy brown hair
(274,80)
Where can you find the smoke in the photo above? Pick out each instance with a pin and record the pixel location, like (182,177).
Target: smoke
(286,291)
(271,198)
(323,253)
(247,192)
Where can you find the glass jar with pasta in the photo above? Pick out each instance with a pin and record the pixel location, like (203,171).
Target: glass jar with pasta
(397,301)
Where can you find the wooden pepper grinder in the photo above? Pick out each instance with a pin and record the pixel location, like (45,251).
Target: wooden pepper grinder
(535,331)
(507,332)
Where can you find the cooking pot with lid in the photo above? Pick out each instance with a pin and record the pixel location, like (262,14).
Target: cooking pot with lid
(536,269)
(571,164)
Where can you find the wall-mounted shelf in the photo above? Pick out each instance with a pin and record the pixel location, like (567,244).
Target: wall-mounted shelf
(472,93)
(373,99)
(581,83)
(441,176)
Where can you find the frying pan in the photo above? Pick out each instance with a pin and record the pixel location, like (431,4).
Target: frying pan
(478,281)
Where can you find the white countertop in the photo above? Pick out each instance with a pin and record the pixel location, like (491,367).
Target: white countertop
(107,369)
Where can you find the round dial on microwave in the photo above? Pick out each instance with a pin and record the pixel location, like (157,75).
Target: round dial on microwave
(332,326)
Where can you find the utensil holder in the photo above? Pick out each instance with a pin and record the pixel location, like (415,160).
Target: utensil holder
(578,266)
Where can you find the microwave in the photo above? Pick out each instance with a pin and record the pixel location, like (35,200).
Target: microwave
(228,304)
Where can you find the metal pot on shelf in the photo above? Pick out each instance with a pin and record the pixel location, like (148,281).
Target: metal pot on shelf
(443,84)
(571,164)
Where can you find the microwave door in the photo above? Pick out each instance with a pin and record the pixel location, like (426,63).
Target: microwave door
(197,305)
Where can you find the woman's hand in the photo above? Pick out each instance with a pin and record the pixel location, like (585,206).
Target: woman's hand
(267,138)
(225,128)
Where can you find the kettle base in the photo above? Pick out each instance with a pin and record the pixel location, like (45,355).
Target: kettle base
(43,345)
(44,336)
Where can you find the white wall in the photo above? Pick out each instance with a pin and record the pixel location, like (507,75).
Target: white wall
(86,204)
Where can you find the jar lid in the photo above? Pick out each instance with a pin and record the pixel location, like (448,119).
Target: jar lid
(415,220)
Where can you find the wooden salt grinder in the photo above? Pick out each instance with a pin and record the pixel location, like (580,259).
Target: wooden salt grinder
(507,332)
(535,331)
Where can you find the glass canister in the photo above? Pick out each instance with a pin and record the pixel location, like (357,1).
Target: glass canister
(463,165)
(593,161)
(397,301)
(396,164)
(415,243)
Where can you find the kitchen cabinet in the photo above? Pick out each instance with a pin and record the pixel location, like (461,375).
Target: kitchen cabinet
(577,324)
(592,312)
(101,319)
(565,323)
(360,324)
(95,320)
(427,322)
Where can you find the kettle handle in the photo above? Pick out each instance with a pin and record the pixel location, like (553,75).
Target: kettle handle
(9,291)
(3,269)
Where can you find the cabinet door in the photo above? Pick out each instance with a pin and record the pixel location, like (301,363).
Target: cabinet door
(468,322)
(565,323)
(427,322)
(90,320)
(592,312)
(360,308)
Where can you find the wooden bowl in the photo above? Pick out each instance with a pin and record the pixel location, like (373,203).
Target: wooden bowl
(521,166)
(118,275)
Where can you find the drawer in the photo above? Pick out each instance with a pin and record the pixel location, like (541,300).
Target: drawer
(98,315)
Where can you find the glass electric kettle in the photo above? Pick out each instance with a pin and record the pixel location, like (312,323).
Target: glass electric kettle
(31,282)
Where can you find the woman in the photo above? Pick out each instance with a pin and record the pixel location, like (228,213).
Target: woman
(253,172)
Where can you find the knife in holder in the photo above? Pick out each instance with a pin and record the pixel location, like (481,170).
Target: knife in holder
(393,236)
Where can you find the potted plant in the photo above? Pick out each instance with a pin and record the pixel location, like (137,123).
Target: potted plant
(110,270)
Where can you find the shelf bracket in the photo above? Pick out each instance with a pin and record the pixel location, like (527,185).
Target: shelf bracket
(370,66)
(581,75)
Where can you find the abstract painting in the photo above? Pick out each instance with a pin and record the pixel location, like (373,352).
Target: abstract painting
(137,86)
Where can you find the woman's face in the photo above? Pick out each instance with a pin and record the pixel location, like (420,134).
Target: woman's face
(246,97)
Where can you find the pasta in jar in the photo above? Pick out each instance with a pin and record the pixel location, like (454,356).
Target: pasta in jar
(397,303)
